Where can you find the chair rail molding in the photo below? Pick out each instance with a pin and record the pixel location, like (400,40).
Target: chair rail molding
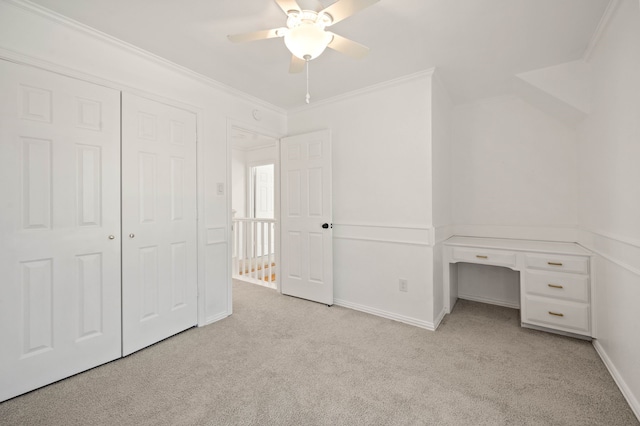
(383,233)
(621,251)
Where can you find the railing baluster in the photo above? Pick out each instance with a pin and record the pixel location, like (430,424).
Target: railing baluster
(269,252)
(264,267)
(245,255)
(253,249)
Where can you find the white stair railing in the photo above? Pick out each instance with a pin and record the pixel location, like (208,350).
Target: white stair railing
(254,250)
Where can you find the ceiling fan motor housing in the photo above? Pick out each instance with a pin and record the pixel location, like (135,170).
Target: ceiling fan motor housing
(306,37)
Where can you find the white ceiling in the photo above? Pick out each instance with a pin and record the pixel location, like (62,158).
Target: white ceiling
(477,45)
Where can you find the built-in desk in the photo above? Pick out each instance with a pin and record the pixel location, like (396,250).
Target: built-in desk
(555,279)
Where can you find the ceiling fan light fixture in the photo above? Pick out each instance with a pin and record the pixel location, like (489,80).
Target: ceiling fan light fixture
(307,40)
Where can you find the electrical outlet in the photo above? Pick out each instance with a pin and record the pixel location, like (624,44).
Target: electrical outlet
(403,285)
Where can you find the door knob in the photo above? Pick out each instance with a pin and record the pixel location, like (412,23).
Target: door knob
(111,237)
(325,225)
(132,235)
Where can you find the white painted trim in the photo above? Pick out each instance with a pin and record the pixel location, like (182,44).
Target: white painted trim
(215,318)
(600,29)
(385,314)
(567,233)
(22,59)
(378,240)
(625,240)
(200,215)
(395,234)
(376,225)
(629,268)
(622,240)
(77,26)
(369,89)
(438,319)
(254,148)
(624,388)
(488,300)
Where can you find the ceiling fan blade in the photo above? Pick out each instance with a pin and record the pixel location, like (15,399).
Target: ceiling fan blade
(342,9)
(287,5)
(297,65)
(257,35)
(348,47)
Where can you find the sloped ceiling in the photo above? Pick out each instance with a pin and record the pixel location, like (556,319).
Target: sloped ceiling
(478,46)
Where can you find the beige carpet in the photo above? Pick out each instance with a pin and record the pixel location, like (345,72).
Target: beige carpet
(281,360)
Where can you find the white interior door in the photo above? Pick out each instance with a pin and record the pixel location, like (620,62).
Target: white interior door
(59,227)
(159,259)
(263,194)
(306,230)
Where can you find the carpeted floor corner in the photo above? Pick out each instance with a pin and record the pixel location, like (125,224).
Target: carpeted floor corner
(284,361)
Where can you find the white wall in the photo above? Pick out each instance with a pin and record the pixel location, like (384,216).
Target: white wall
(35,36)
(239,182)
(513,167)
(442,161)
(609,200)
(382,211)
(514,176)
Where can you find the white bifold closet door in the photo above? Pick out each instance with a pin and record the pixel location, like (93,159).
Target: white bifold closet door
(159,277)
(59,227)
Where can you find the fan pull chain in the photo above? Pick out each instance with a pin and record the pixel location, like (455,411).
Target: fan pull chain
(308,97)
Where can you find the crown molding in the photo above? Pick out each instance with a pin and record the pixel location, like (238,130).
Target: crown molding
(600,29)
(369,89)
(99,35)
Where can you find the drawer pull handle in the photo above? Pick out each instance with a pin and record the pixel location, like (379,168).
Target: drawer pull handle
(554,263)
(481,257)
(555,286)
(556,314)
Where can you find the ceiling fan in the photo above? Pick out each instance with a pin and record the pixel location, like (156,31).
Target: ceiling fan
(306,36)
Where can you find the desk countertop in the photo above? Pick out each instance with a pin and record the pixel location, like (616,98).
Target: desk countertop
(519,245)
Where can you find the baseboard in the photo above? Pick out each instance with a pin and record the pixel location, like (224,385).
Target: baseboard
(439,319)
(626,392)
(384,314)
(489,301)
(215,318)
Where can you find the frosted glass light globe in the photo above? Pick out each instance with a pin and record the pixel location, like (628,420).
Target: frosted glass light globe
(307,40)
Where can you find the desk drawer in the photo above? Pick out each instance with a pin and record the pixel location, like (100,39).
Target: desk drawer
(560,315)
(575,264)
(557,286)
(484,256)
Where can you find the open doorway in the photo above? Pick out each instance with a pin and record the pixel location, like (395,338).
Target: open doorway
(254,194)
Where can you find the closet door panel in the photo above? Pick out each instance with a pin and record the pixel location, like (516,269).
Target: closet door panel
(159,221)
(60,173)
